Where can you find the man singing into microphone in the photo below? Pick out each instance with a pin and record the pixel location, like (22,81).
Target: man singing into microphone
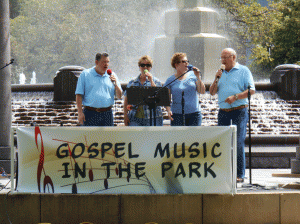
(96,91)
(232,88)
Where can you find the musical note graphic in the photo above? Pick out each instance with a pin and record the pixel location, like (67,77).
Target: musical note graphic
(47,179)
(91,175)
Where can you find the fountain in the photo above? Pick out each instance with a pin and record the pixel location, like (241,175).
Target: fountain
(22,79)
(270,114)
(33,79)
(190,29)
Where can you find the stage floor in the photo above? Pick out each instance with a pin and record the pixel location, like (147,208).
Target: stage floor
(262,202)
(262,181)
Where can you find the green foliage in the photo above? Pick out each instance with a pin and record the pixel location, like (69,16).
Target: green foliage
(287,34)
(271,33)
(14,8)
(50,34)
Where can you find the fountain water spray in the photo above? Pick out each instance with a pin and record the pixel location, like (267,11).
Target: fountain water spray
(22,78)
(33,79)
(190,29)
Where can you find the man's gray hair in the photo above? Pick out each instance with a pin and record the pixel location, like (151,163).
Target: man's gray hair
(233,52)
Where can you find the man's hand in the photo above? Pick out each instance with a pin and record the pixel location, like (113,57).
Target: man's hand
(81,118)
(230,99)
(113,79)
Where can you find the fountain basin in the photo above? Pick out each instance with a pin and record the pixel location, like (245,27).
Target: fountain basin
(270,114)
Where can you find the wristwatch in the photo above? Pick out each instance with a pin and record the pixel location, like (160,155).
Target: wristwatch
(236,97)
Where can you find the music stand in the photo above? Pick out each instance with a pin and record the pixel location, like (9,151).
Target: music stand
(151,96)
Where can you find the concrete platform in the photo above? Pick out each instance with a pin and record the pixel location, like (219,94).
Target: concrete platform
(262,202)
(271,157)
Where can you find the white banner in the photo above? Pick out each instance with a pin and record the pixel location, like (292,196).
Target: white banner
(127,160)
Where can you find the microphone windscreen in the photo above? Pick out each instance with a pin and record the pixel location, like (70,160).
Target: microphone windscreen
(190,67)
(146,71)
(222,67)
(109,72)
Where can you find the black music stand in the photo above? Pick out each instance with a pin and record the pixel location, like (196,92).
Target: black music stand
(151,96)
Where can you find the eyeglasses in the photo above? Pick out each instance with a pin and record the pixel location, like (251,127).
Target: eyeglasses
(224,58)
(145,65)
(184,61)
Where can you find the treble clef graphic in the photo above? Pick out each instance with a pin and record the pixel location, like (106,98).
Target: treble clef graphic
(47,179)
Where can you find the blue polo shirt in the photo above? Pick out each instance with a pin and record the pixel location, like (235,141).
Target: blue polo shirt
(233,82)
(96,90)
(191,100)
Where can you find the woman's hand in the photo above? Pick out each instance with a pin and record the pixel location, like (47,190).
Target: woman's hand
(170,115)
(149,76)
(197,72)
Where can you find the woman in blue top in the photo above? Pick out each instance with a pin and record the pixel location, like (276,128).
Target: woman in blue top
(184,90)
(141,116)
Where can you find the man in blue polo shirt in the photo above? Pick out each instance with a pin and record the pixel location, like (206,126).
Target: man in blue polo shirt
(232,88)
(96,90)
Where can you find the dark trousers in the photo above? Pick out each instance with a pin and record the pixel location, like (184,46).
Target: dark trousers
(240,119)
(193,119)
(94,118)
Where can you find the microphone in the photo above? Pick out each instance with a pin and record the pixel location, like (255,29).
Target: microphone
(222,68)
(191,68)
(146,71)
(109,72)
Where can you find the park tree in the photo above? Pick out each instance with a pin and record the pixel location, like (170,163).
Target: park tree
(287,33)
(270,34)
(49,34)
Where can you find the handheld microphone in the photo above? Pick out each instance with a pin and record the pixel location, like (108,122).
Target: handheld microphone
(146,71)
(109,72)
(190,67)
(222,68)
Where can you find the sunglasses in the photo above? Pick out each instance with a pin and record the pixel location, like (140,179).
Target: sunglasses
(145,65)
(183,61)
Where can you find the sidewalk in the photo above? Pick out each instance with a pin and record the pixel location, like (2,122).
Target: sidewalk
(263,181)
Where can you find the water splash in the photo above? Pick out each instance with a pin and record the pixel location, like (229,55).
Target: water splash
(33,79)
(269,113)
(22,78)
